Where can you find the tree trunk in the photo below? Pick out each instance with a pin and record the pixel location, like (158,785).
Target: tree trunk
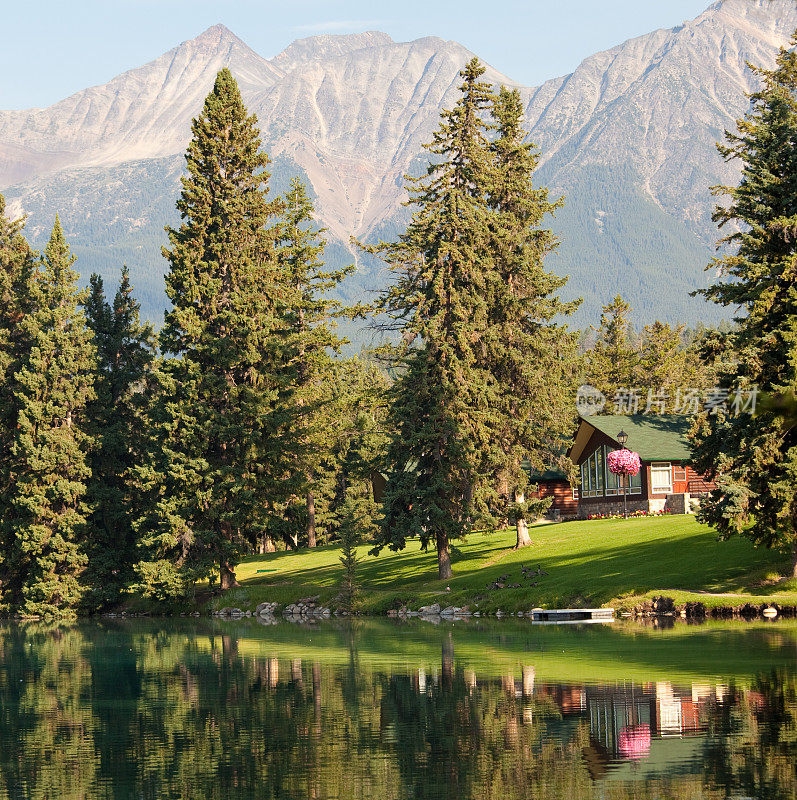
(794,557)
(267,544)
(523,538)
(443,557)
(310,519)
(227,576)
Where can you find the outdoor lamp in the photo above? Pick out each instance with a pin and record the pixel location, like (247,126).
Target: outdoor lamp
(622,438)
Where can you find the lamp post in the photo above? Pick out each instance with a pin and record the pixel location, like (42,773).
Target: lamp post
(622,438)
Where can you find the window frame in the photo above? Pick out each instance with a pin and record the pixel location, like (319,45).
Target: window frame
(657,468)
(634,482)
(597,480)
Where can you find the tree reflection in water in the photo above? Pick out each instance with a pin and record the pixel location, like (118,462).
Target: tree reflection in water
(141,711)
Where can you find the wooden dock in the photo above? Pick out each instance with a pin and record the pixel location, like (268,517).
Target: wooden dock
(572,614)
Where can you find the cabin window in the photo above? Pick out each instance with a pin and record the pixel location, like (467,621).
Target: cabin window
(661,477)
(592,475)
(597,480)
(615,483)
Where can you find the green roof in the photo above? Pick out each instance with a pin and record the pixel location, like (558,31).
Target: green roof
(547,474)
(654,437)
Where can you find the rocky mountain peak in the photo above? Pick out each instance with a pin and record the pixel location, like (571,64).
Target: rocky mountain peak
(628,137)
(327,46)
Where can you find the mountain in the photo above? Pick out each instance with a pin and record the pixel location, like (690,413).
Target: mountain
(628,138)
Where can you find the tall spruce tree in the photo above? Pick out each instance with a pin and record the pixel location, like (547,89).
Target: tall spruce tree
(16,266)
(220,429)
(613,362)
(307,309)
(441,400)
(125,352)
(531,357)
(754,455)
(46,507)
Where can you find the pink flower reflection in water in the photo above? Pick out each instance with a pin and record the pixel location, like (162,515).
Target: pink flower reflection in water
(634,742)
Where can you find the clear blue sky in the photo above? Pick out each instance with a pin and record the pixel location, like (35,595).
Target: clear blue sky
(52,48)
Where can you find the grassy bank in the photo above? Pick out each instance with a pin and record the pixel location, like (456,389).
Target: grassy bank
(587,563)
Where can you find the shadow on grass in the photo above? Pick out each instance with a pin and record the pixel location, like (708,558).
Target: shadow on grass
(584,564)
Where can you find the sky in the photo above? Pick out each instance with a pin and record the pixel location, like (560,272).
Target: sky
(50,49)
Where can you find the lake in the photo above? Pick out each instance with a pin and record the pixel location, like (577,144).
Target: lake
(184,708)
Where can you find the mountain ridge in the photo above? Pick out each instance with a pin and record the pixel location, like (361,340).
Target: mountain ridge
(632,128)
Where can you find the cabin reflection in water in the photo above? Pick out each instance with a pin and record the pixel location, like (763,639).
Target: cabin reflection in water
(627,722)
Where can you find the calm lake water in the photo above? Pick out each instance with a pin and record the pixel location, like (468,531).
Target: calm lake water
(377,709)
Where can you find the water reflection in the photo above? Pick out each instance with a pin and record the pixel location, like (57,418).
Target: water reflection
(155,710)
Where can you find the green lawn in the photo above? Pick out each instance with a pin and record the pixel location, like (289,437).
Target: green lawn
(589,563)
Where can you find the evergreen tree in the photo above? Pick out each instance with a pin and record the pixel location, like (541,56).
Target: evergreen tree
(529,356)
(16,266)
(307,310)
(47,511)
(125,352)
(348,458)
(663,358)
(754,456)
(220,431)
(612,364)
(361,453)
(440,401)
(349,539)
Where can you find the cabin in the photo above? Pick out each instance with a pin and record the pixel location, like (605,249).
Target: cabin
(666,482)
(556,485)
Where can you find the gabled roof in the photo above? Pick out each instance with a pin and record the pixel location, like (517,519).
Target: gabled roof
(654,437)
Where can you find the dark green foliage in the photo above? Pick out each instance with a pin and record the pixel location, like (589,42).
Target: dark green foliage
(441,399)
(653,372)
(348,441)
(45,511)
(349,539)
(311,343)
(222,454)
(16,266)
(125,352)
(612,362)
(755,456)
(530,358)
(356,510)
(486,377)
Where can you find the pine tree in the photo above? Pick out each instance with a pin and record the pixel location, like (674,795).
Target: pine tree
(348,446)
(349,539)
(47,510)
(440,401)
(663,361)
(361,451)
(220,431)
(612,363)
(125,352)
(308,309)
(754,455)
(16,266)
(531,358)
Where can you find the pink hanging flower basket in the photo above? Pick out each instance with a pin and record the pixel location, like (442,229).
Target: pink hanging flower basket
(624,462)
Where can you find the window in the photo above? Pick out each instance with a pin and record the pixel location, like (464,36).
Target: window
(592,475)
(616,483)
(597,479)
(661,477)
